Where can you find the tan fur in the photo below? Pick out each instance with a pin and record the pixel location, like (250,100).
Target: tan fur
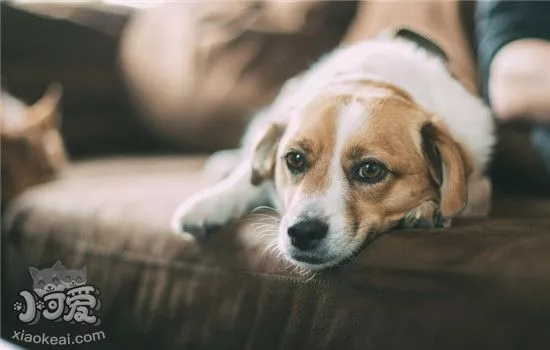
(390,133)
(263,163)
(457,169)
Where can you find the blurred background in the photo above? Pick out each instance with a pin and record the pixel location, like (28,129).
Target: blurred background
(148,75)
(76,45)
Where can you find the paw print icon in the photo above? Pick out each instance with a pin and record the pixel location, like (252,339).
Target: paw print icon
(17,306)
(40,305)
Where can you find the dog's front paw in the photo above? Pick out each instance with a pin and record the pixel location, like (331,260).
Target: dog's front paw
(426,215)
(202,215)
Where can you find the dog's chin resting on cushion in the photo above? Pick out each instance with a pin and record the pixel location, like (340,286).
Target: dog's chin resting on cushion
(374,136)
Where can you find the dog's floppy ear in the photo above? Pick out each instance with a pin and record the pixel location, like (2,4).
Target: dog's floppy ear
(449,166)
(263,162)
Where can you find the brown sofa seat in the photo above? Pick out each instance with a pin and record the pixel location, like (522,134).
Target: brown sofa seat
(481,284)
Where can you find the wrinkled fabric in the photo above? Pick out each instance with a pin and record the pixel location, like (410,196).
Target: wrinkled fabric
(482,284)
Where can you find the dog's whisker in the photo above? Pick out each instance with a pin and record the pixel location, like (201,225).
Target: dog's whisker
(312,277)
(264,230)
(270,211)
(254,215)
(269,229)
(266,234)
(263,224)
(273,214)
(266,238)
(266,222)
(262,207)
(301,271)
(272,249)
(261,221)
(259,225)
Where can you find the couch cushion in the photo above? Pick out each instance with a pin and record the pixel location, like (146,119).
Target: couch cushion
(482,284)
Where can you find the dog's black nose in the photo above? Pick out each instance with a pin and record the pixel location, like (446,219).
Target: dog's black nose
(305,235)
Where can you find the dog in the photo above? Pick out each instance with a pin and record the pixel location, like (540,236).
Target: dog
(375,135)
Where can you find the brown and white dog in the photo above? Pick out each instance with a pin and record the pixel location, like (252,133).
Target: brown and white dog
(375,135)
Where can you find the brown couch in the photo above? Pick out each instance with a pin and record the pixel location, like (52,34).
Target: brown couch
(482,284)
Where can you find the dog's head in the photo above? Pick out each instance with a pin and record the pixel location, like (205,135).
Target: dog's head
(350,165)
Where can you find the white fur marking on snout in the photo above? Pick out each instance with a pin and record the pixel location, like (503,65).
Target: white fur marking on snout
(333,201)
(351,118)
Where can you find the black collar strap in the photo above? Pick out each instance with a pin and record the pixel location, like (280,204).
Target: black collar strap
(419,39)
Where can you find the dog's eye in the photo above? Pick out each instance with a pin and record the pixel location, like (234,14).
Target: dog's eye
(41,283)
(369,172)
(295,161)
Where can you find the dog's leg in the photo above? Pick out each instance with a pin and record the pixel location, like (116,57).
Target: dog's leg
(479,197)
(220,165)
(220,204)
(426,215)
